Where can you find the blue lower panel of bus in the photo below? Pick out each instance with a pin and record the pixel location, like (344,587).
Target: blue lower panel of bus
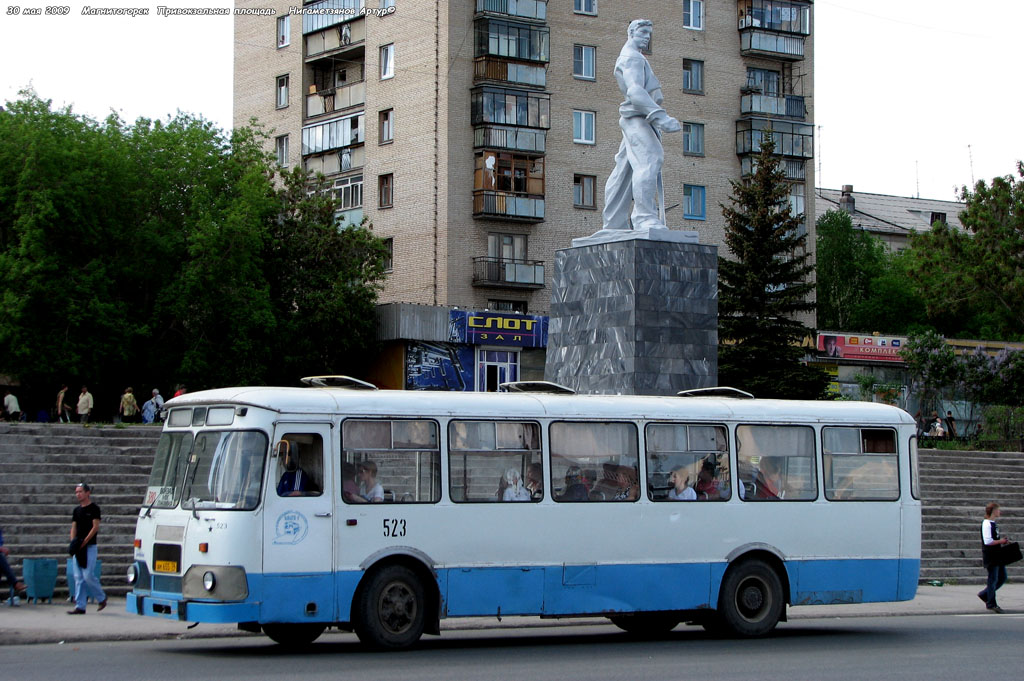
(547,590)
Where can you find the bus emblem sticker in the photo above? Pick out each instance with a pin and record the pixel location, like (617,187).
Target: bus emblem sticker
(291,528)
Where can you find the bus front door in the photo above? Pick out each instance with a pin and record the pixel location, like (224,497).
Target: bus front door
(297,526)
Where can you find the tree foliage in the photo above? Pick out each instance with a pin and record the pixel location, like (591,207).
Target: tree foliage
(169,251)
(764,288)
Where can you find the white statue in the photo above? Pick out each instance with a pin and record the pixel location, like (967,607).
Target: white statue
(636,180)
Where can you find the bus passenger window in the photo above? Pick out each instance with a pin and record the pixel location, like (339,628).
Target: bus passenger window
(687,462)
(860,464)
(390,461)
(300,462)
(776,463)
(494,461)
(594,461)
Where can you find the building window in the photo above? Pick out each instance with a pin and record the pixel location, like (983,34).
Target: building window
(584,6)
(281,146)
(282,92)
(333,134)
(693,14)
(693,139)
(386,126)
(583,191)
(284,29)
(764,81)
(506,246)
(387,61)
(385,190)
(517,306)
(693,202)
(693,75)
(495,367)
(385,4)
(583,57)
(939,217)
(349,192)
(389,254)
(583,127)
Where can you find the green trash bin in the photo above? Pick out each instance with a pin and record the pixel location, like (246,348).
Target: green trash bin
(40,576)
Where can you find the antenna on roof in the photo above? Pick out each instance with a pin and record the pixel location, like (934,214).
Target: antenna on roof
(917,178)
(970,157)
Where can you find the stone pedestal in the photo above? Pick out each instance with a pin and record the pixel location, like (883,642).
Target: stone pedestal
(634,317)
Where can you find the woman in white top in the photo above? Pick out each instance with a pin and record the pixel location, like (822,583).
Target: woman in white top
(369,488)
(513,488)
(681,490)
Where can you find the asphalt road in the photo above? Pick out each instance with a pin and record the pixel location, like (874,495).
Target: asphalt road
(929,648)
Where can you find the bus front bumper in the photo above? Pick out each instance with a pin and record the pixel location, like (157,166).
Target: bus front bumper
(191,611)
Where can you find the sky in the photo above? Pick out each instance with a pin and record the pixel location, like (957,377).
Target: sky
(911,97)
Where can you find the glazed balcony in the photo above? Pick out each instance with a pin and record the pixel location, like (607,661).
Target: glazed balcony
(508,137)
(506,273)
(504,71)
(792,139)
(794,169)
(759,43)
(521,9)
(341,40)
(790,106)
(507,206)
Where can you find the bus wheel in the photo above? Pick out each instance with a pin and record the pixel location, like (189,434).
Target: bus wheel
(649,624)
(750,603)
(390,609)
(294,635)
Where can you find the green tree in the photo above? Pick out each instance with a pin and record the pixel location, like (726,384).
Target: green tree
(974,279)
(764,287)
(847,260)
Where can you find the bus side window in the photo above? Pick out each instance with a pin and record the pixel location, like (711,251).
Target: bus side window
(494,461)
(776,463)
(687,462)
(300,465)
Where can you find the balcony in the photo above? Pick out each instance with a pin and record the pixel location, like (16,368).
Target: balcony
(506,137)
(756,42)
(521,9)
(794,169)
(504,273)
(336,12)
(507,206)
(792,139)
(341,40)
(488,68)
(335,99)
(791,106)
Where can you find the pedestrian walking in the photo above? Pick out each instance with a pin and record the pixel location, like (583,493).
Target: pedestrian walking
(990,543)
(85,404)
(11,406)
(85,524)
(128,407)
(63,404)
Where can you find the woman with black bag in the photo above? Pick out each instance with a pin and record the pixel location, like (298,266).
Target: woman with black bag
(991,543)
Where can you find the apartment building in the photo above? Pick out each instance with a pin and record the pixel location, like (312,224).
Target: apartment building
(477,135)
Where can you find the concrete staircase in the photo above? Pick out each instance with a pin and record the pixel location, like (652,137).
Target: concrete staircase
(40,465)
(955,487)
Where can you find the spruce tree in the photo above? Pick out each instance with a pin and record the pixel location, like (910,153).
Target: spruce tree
(763,288)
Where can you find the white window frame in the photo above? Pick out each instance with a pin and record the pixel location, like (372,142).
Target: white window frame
(581,7)
(579,126)
(695,74)
(688,208)
(514,357)
(693,12)
(693,139)
(281,149)
(281,94)
(284,30)
(387,61)
(584,73)
(386,126)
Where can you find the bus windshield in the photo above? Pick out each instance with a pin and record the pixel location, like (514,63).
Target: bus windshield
(227,471)
(168,470)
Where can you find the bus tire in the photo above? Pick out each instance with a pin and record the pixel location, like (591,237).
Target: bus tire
(293,635)
(390,609)
(646,624)
(750,603)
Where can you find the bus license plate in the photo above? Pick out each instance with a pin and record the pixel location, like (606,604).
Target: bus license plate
(165,566)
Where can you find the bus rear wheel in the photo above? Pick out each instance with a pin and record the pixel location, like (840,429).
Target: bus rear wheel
(390,609)
(646,624)
(750,603)
(293,635)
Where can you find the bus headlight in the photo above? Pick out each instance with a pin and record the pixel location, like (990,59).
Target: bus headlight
(209,581)
(133,574)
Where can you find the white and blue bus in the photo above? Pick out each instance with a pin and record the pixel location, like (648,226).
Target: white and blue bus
(382,512)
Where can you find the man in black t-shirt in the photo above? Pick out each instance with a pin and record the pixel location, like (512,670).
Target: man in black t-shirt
(85,524)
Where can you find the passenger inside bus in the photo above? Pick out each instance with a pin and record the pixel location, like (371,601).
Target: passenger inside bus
(620,483)
(706,488)
(768,484)
(535,481)
(575,488)
(681,490)
(511,488)
(295,481)
(369,489)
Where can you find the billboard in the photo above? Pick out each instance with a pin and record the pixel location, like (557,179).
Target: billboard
(856,346)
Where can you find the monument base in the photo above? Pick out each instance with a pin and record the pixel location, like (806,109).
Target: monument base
(606,236)
(634,317)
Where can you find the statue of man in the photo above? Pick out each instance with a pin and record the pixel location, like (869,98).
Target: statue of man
(637,174)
